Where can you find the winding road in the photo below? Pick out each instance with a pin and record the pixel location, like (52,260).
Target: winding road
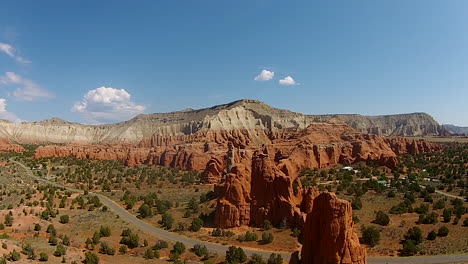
(220,249)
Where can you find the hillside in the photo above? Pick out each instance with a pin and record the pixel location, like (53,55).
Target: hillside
(456,129)
(242,114)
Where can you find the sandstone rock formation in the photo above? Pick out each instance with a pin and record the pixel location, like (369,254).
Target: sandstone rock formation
(6,146)
(243,115)
(268,187)
(328,233)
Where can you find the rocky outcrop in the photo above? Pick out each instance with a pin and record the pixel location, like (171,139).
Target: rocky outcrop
(270,186)
(6,146)
(329,235)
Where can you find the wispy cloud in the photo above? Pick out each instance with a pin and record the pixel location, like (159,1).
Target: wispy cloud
(288,80)
(28,90)
(265,75)
(10,51)
(4,114)
(106,104)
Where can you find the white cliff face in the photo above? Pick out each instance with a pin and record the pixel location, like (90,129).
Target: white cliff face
(244,114)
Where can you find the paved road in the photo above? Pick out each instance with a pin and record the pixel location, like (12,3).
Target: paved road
(446,194)
(220,249)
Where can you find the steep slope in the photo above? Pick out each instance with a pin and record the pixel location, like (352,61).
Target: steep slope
(456,129)
(415,124)
(238,115)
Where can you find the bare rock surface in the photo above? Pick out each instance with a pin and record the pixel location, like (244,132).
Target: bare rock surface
(329,235)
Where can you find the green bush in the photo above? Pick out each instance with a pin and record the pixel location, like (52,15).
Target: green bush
(91,258)
(43,257)
(60,250)
(197,224)
(105,231)
(106,249)
(414,234)
(201,251)
(370,235)
(409,248)
(179,248)
(275,259)
(432,235)
(235,255)
(64,219)
(267,225)
(167,220)
(382,218)
(443,231)
(256,259)
(267,238)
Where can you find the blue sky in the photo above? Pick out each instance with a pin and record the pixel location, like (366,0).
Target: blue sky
(105,61)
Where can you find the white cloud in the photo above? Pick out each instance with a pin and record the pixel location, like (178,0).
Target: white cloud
(4,114)
(106,104)
(10,51)
(265,75)
(288,80)
(28,90)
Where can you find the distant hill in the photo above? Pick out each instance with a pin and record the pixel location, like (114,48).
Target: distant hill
(456,129)
(241,114)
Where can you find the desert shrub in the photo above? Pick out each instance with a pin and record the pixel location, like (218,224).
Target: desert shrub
(144,211)
(356,204)
(105,231)
(53,240)
(414,234)
(267,225)
(106,249)
(256,259)
(382,218)
(66,240)
(201,251)
(447,215)
(149,254)
(28,250)
(14,256)
(161,244)
(428,219)
(43,257)
(235,255)
(96,238)
(197,224)
(440,204)
(167,221)
(267,238)
(51,229)
(370,235)
(131,241)
(409,248)
(8,219)
(422,209)
(60,250)
(91,258)
(432,235)
(64,219)
(443,231)
(179,247)
(123,249)
(250,236)
(275,259)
